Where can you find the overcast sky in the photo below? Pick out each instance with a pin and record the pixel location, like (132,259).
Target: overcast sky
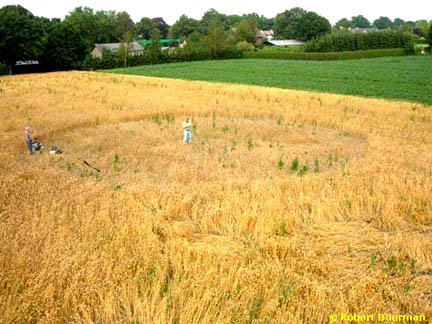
(333,10)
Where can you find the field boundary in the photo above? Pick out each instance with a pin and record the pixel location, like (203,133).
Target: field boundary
(331,56)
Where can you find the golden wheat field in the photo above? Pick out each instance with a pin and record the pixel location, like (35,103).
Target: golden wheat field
(289,206)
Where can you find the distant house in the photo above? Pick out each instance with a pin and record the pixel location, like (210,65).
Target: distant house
(283,42)
(135,48)
(261,35)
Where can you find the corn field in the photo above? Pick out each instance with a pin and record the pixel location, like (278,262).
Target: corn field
(288,207)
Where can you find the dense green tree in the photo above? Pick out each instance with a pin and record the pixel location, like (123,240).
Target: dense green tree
(233,20)
(421,28)
(245,31)
(144,28)
(83,20)
(408,26)
(383,23)
(99,27)
(312,25)
(162,26)
(344,23)
(360,22)
(124,24)
(64,48)
(216,39)
(286,23)
(211,18)
(183,27)
(300,24)
(155,47)
(22,35)
(398,23)
(106,26)
(266,23)
(193,42)
(261,21)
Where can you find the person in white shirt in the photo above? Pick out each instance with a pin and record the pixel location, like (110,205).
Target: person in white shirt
(187,131)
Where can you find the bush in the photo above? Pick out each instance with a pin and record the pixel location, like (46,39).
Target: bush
(244,46)
(345,41)
(291,48)
(4,70)
(331,56)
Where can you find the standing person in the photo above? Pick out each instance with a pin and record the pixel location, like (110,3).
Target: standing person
(29,139)
(187,131)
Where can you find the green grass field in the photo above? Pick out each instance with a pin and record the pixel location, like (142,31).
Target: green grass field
(402,78)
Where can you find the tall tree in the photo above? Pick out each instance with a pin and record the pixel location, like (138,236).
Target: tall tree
(430,38)
(106,24)
(398,23)
(124,24)
(21,35)
(261,21)
(344,23)
(383,23)
(421,28)
(211,18)
(83,20)
(286,23)
(216,38)
(64,48)
(245,31)
(183,27)
(162,26)
(232,20)
(155,47)
(266,23)
(408,26)
(312,25)
(360,22)
(298,23)
(125,47)
(144,28)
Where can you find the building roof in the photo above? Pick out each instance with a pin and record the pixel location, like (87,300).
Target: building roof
(134,46)
(161,41)
(284,42)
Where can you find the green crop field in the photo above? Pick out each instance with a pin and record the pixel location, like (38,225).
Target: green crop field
(402,78)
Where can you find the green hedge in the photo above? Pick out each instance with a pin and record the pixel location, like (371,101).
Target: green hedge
(112,61)
(332,56)
(347,41)
(290,48)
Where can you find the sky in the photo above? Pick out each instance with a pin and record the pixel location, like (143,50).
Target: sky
(170,10)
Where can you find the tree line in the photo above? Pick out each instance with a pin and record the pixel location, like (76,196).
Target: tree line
(64,44)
